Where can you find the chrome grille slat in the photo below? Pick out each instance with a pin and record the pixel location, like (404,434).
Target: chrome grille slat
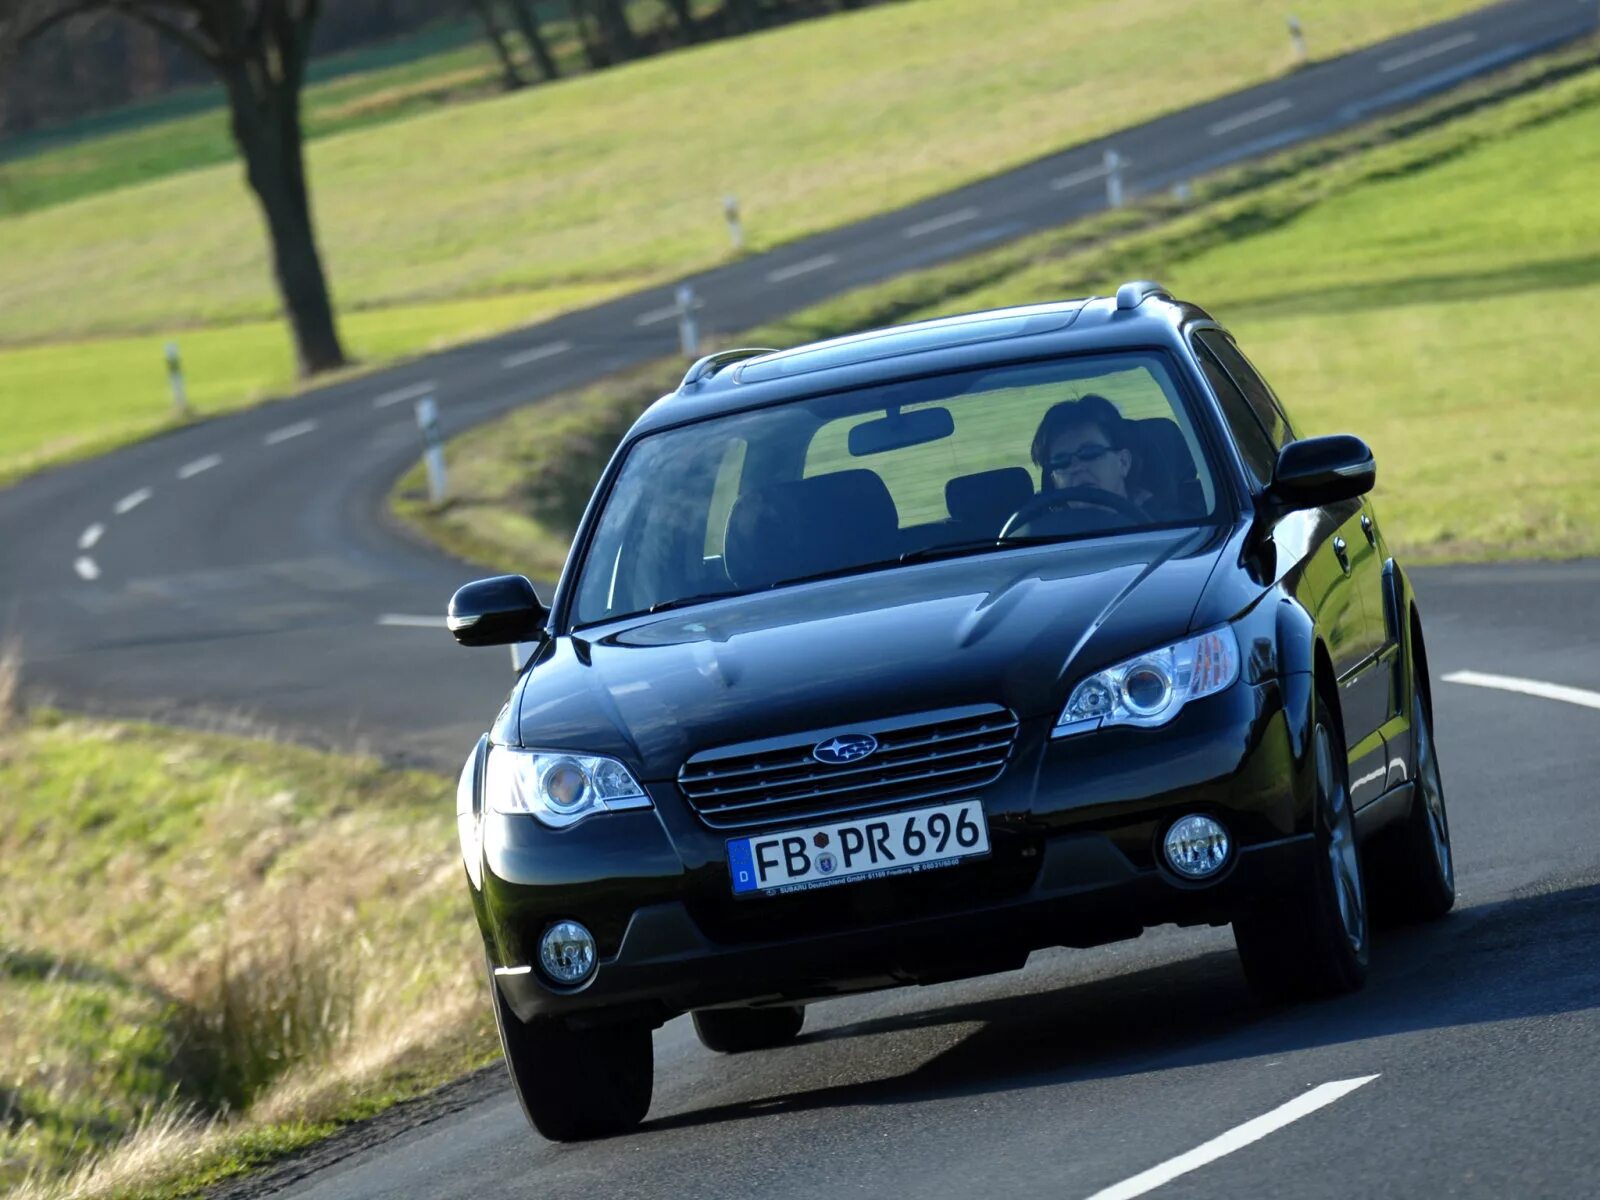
(938,755)
(820,771)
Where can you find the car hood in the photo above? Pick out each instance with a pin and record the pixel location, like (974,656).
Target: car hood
(1016,628)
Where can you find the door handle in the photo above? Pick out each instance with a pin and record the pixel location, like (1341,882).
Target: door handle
(1368,529)
(1342,552)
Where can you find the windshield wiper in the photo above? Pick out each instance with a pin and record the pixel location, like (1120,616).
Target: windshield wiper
(685,601)
(956,549)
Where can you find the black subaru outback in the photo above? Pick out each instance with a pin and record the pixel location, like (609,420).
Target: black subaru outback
(894,658)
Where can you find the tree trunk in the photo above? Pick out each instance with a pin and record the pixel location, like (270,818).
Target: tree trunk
(266,126)
(497,39)
(594,53)
(616,30)
(528,23)
(685,18)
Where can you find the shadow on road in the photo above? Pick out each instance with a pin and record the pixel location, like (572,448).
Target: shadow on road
(1525,957)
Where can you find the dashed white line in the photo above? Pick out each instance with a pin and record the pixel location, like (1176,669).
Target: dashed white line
(409,621)
(413,391)
(656,315)
(805,267)
(131,501)
(934,224)
(86,568)
(1250,117)
(298,429)
(90,536)
(1078,178)
(1235,1139)
(1527,687)
(525,357)
(190,469)
(1444,46)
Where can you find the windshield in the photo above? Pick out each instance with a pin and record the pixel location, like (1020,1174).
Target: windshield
(874,477)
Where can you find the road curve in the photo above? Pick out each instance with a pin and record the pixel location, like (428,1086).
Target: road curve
(241,572)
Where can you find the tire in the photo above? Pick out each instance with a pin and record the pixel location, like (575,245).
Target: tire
(574,1084)
(1315,941)
(738,1030)
(1413,867)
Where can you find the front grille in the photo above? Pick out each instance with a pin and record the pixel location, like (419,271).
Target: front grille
(922,757)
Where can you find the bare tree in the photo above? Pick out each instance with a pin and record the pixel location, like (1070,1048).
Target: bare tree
(258,49)
(497,38)
(528,22)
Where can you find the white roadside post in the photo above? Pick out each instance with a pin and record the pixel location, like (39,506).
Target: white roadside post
(433,447)
(1297,38)
(1114,164)
(730,214)
(180,394)
(688,324)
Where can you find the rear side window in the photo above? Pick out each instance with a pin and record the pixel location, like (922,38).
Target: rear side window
(1254,447)
(1262,402)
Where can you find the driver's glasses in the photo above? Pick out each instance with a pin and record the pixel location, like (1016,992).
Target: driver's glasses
(1089,452)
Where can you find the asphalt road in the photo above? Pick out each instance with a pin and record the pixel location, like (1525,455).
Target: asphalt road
(240,573)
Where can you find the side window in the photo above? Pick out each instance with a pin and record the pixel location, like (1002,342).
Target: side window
(1262,402)
(1257,452)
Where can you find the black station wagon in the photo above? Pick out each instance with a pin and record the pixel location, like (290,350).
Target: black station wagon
(893,658)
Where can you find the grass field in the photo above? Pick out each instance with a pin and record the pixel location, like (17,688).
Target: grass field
(1430,293)
(485,215)
(222,947)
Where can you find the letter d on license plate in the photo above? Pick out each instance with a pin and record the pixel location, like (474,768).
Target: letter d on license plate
(863,848)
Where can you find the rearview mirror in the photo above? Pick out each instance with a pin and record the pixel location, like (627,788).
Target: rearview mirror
(901,429)
(497,611)
(1322,470)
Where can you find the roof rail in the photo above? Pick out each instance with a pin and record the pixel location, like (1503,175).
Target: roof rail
(708,366)
(1131,295)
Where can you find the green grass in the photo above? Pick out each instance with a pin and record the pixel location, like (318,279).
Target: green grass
(1426,284)
(215,950)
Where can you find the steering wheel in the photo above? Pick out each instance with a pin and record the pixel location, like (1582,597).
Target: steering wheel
(1048,501)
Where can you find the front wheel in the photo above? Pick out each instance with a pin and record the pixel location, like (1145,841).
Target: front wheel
(1315,943)
(576,1084)
(1413,866)
(737,1030)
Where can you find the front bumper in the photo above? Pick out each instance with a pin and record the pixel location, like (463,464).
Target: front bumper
(1074,829)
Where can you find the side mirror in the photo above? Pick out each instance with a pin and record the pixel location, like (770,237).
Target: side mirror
(497,611)
(1321,470)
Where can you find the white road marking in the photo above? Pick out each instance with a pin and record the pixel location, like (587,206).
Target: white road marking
(298,429)
(414,391)
(1250,117)
(656,315)
(1235,1139)
(1443,46)
(131,501)
(934,224)
(1526,687)
(1078,178)
(86,568)
(534,355)
(804,267)
(190,470)
(408,621)
(90,536)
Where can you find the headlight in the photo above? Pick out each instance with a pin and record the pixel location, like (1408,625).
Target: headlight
(469,828)
(560,789)
(1149,690)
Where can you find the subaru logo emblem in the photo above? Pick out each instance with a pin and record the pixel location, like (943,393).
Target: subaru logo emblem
(846,748)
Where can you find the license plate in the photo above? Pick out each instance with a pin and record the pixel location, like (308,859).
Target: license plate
(865,848)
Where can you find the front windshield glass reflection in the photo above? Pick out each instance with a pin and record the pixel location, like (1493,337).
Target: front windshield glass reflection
(871,478)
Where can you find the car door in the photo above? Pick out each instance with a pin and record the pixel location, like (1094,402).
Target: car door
(1341,578)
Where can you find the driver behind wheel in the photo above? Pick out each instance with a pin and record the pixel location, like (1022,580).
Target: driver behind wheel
(1085,443)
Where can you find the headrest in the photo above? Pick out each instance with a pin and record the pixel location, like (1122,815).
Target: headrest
(803,526)
(988,495)
(1162,451)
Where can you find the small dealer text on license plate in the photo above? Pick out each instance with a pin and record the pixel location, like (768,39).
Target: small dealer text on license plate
(863,848)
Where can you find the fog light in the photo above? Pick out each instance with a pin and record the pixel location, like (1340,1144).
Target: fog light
(1196,846)
(566,952)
